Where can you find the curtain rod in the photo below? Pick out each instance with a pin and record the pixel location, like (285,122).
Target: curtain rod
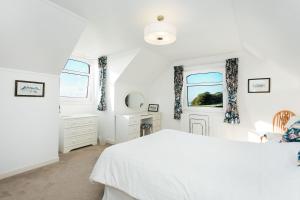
(204,64)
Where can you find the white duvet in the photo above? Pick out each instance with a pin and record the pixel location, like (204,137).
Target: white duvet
(173,165)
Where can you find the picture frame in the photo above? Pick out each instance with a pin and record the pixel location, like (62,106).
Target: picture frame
(259,85)
(29,88)
(153,107)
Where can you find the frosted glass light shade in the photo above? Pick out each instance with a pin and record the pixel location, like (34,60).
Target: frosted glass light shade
(160,33)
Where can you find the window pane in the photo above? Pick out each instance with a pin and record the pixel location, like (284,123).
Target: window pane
(205,96)
(77,66)
(73,85)
(202,78)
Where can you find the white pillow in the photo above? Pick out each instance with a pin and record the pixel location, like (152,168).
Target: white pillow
(292,121)
(296,126)
(274,137)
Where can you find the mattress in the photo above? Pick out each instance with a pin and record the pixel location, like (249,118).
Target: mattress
(174,165)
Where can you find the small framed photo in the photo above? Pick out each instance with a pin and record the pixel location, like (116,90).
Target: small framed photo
(259,85)
(153,107)
(29,89)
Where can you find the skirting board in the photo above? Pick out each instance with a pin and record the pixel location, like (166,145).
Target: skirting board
(109,141)
(28,168)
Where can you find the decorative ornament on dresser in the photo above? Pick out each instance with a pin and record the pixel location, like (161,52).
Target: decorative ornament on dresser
(178,84)
(153,107)
(29,89)
(102,62)
(232,113)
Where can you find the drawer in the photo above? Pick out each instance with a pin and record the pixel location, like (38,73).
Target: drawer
(134,129)
(76,131)
(71,141)
(133,121)
(69,123)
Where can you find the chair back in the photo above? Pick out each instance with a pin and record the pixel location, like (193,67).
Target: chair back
(280,120)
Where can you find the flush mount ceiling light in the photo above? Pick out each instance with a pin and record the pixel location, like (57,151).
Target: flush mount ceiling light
(160,32)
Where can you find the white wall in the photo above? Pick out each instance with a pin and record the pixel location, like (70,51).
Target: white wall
(256,110)
(36,36)
(138,76)
(28,125)
(131,71)
(116,64)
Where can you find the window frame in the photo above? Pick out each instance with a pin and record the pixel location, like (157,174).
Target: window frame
(203,69)
(77,60)
(79,100)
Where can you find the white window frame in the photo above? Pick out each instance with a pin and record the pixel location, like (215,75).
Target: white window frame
(90,91)
(204,68)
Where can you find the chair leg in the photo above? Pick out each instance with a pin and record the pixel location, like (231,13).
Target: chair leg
(143,132)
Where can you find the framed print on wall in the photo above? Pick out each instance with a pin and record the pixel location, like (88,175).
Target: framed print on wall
(259,85)
(153,107)
(29,89)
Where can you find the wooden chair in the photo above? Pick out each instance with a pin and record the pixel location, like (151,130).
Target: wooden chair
(280,120)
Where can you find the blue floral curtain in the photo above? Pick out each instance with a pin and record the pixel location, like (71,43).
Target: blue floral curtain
(178,84)
(232,113)
(102,62)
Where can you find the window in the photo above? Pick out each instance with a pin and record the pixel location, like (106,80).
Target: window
(205,89)
(74,79)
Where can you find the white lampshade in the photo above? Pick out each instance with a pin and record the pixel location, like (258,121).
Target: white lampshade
(160,33)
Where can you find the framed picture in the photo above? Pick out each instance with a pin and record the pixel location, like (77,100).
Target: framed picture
(259,85)
(153,107)
(29,89)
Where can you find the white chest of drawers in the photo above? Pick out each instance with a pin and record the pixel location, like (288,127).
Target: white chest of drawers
(77,131)
(128,127)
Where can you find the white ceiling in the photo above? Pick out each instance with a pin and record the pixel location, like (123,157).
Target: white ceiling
(270,30)
(205,27)
(37,35)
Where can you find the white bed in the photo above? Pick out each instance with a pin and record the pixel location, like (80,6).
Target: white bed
(173,165)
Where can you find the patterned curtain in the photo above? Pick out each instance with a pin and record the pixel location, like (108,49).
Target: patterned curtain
(102,62)
(232,113)
(178,83)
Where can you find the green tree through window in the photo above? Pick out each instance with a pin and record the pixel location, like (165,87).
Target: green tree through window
(205,89)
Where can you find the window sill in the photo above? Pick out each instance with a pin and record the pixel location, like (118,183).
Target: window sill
(204,110)
(76,101)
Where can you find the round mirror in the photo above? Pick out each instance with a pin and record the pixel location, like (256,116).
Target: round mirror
(134,100)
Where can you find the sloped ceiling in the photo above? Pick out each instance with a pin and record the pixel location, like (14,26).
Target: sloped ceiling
(118,63)
(144,68)
(37,35)
(205,27)
(267,29)
(270,30)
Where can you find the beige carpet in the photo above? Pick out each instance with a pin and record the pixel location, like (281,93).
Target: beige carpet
(65,180)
